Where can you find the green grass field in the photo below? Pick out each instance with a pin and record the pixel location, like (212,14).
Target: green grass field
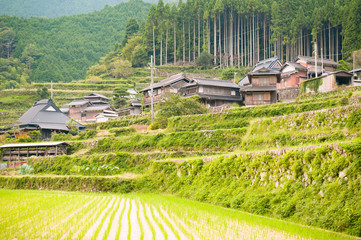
(68,215)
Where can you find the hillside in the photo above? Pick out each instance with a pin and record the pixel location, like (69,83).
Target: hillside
(297,161)
(68,46)
(52,8)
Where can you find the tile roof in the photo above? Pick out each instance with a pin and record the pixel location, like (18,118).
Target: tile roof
(312,60)
(99,107)
(168,81)
(94,95)
(212,82)
(44,114)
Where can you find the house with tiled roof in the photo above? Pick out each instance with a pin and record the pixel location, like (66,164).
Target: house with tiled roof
(45,116)
(171,84)
(323,65)
(86,109)
(213,92)
(262,87)
(292,74)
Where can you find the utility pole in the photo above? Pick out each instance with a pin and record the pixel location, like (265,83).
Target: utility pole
(235,74)
(316,59)
(51,90)
(321,62)
(353,60)
(151,89)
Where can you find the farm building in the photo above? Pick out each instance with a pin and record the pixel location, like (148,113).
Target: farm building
(18,152)
(323,65)
(45,116)
(327,82)
(88,108)
(356,77)
(292,74)
(168,85)
(134,108)
(261,88)
(213,92)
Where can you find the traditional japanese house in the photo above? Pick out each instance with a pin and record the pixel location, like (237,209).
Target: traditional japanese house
(310,63)
(134,108)
(87,108)
(261,88)
(213,92)
(45,116)
(270,63)
(292,74)
(327,82)
(168,85)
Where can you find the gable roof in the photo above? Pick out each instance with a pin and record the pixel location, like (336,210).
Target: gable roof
(312,60)
(297,66)
(264,72)
(212,82)
(168,81)
(96,95)
(46,115)
(272,63)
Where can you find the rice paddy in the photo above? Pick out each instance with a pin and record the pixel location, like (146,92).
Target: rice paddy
(64,215)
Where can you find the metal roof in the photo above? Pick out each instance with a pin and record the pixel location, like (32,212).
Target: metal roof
(43,144)
(168,81)
(78,102)
(99,107)
(212,82)
(259,89)
(319,60)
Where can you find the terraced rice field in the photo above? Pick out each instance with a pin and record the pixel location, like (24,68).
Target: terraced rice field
(59,215)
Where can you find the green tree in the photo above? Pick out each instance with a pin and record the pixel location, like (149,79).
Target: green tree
(205,60)
(175,105)
(42,93)
(120,97)
(139,57)
(131,29)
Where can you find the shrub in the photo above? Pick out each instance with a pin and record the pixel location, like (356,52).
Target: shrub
(26,169)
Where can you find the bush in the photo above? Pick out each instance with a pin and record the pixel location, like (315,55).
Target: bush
(26,169)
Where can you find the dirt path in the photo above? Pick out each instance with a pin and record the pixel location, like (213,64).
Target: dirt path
(115,224)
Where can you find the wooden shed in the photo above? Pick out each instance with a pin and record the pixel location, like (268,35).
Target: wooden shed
(18,152)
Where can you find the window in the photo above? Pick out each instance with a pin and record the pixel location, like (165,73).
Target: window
(233,93)
(200,89)
(258,96)
(83,115)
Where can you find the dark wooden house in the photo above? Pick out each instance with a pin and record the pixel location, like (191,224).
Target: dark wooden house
(261,88)
(45,116)
(213,92)
(168,85)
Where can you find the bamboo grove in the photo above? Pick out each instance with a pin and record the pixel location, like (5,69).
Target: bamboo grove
(243,32)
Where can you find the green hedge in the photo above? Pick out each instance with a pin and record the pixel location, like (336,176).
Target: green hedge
(69,183)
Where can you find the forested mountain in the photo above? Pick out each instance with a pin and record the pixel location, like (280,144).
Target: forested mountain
(64,48)
(244,32)
(53,8)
